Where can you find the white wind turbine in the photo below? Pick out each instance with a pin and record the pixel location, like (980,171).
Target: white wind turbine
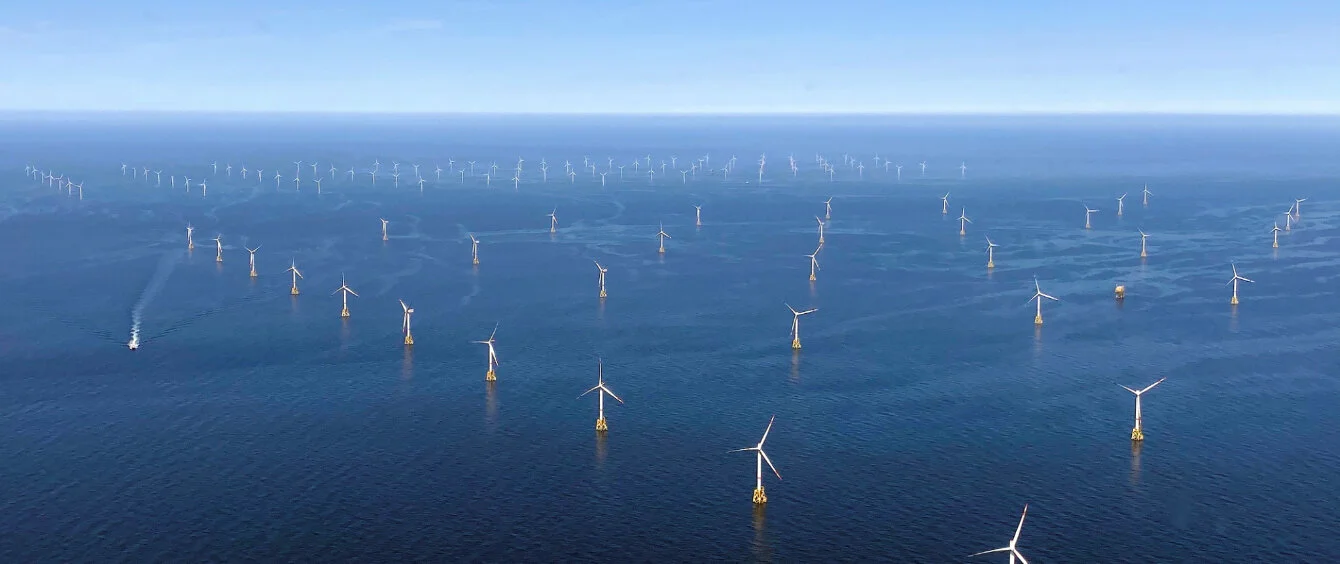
(1146,193)
(204,188)
(1088,213)
(698,216)
(384,222)
(190,242)
(760,457)
(663,236)
(923,168)
(218,248)
(602,270)
(346,290)
(1234,282)
(490,375)
(828,208)
(474,249)
(944,204)
(821,229)
(990,253)
(1276,233)
(963,222)
(1012,548)
(229,170)
(1138,433)
(1298,208)
(314,169)
(293,267)
(963,170)
(1143,236)
(814,261)
(251,259)
(318,185)
(1288,218)
(795,324)
(1037,320)
(601,390)
(404,324)
(553,221)
(1121,204)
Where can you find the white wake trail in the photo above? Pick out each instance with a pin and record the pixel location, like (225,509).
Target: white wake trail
(156,283)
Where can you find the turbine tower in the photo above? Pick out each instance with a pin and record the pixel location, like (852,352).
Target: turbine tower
(759,497)
(601,390)
(1138,433)
(795,324)
(346,290)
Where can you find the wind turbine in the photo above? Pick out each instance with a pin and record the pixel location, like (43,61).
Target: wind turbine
(923,168)
(602,270)
(1146,194)
(1298,208)
(698,216)
(215,164)
(944,204)
(1288,218)
(421,185)
(821,229)
(474,249)
(759,497)
(251,259)
(601,390)
(293,267)
(963,170)
(190,242)
(332,171)
(346,290)
(1121,204)
(1087,214)
(297,171)
(553,221)
(990,253)
(963,222)
(277,178)
(1138,433)
(663,236)
(1012,548)
(1143,236)
(384,222)
(828,208)
(318,186)
(1276,233)
(1037,320)
(204,188)
(602,178)
(229,170)
(795,324)
(437,169)
(218,248)
(491,376)
(516,182)
(1234,282)
(404,325)
(900,171)
(814,261)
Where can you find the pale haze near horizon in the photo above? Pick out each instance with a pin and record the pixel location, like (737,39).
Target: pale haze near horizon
(744,56)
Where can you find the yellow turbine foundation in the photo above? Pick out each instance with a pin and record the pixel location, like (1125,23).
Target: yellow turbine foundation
(1233,301)
(601,425)
(602,293)
(1137,434)
(190,246)
(253,273)
(662,250)
(476,261)
(344,312)
(990,264)
(490,376)
(1276,244)
(812,278)
(962,231)
(409,339)
(1142,253)
(294,291)
(795,344)
(1120,292)
(759,497)
(1037,319)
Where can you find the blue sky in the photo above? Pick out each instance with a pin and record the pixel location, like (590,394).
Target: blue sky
(694,56)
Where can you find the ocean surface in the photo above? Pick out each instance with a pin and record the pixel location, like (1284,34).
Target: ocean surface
(923,412)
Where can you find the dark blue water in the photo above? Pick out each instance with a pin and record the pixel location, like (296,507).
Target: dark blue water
(922,414)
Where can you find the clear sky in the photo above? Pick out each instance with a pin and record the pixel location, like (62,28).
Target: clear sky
(631,56)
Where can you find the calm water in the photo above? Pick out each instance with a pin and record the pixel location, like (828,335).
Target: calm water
(924,411)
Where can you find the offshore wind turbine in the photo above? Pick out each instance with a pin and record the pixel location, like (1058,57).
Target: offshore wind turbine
(963,170)
(474,249)
(990,253)
(346,290)
(1276,233)
(1146,193)
(1088,213)
(923,168)
(663,236)
(944,204)
(384,222)
(963,222)
(602,270)
(1288,218)
(553,221)
(1234,282)
(828,208)
(204,188)
(760,457)
(404,324)
(251,259)
(1138,433)
(318,185)
(190,241)
(1143,236)
(1037,320)
(814,261)
(293,267)
(218,248)
(1298,208)
(795,324)
(821,229)
(601,390)
(899,168)
(332,171)
(490,375)
(1121,204)
(698,216)
(1011,548)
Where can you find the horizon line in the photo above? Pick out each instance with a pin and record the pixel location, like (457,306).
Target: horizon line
(942,113)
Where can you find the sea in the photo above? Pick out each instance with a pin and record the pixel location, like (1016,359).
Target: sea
(923,413)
